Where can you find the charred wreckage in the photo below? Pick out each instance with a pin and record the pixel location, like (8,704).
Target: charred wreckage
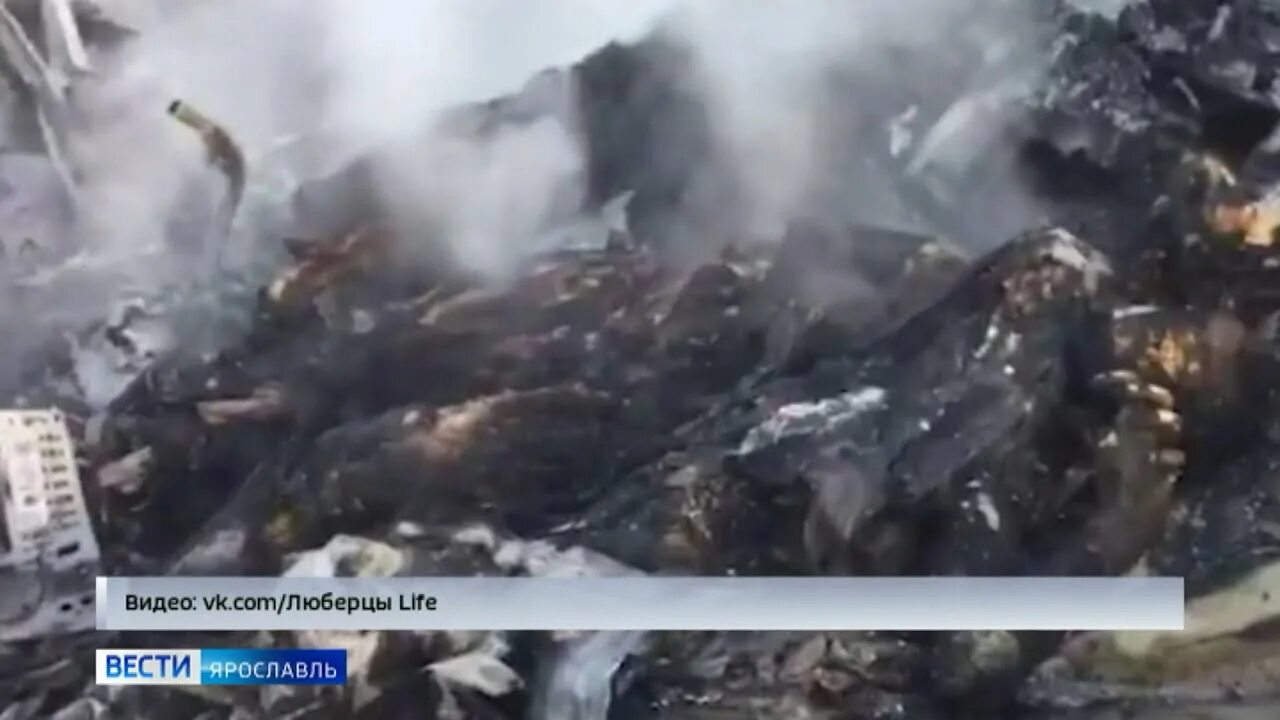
(1091,397)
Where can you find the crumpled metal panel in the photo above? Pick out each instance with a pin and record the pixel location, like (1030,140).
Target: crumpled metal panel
(47,546)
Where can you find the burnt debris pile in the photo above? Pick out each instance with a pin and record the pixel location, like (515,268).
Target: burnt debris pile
(910,385)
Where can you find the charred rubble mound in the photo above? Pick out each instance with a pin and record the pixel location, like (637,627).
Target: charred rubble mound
(1091,397)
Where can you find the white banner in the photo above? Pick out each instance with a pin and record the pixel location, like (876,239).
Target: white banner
(639,603)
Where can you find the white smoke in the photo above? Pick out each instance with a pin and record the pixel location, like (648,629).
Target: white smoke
(487,197)
(758,70)
(784,130)
(344,77)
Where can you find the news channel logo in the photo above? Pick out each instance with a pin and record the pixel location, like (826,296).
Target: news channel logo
(222,666)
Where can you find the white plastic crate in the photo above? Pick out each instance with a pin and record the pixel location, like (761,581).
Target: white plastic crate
(48,553)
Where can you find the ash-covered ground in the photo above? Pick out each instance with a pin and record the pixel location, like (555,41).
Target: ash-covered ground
(977,287)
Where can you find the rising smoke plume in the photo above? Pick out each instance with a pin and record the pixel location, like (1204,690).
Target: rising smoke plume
(806,98)
(374,74)
(346,77)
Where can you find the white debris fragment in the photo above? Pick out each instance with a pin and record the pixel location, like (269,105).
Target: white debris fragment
(807,417)
(1069,250)
(989,512)
(478,671)
(362,322)
(1011,342)
(1220,22)
(900,135)
(1167,39)
(1073,252)
(539,558)
(1133,311)
(408,530)
(481,535)
(988,340)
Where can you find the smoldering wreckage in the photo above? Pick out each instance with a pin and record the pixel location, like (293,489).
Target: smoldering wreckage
(1093,396)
